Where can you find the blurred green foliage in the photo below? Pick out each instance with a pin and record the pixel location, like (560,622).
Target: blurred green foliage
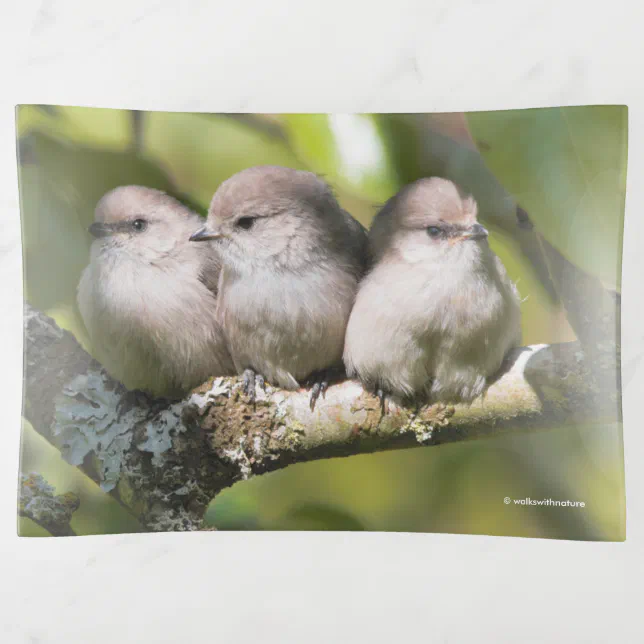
(347,149)
(577,196)
(565,166)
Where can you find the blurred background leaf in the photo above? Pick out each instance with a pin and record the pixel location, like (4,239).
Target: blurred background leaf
(316,516)
(201,152)
(60,184)
(347,149)
(566,167)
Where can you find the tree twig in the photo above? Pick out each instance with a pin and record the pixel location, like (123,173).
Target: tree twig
(38,503)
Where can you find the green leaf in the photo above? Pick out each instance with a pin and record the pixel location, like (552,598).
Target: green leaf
(347,149)
(567,167)
(92,126)
(201,151)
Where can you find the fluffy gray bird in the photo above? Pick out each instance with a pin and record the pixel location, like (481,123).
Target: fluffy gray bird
(148,296)
(292,259)
(436,315)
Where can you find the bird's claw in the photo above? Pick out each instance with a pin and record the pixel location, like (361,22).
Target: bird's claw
(249,380)
(318,389)
(319,384)
(384,403)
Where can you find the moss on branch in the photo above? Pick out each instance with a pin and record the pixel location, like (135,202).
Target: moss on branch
(165,460)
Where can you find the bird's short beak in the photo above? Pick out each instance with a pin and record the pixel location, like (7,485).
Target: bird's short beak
(100,230)
(204,234)
(475,232)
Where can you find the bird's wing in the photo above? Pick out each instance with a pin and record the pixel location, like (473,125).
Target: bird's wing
(210,273)
(357,241)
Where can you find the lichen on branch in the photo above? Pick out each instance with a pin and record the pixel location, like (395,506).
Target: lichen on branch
(165,460)
(38,502)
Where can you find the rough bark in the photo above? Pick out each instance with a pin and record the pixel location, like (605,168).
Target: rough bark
(593,312)
(37,502)
(165,460)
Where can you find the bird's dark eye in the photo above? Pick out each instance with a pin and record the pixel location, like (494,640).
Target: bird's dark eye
(434,231)
(246,222)
(139,225)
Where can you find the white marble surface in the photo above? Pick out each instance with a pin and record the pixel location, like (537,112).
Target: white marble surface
(327,56)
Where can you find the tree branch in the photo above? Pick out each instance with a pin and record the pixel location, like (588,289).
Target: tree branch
(166,460)
(38,503)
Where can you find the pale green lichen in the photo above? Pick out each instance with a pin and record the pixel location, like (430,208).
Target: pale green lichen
(167,492)
(89,419)
(279,400)
(293,434)
(424,431)
(38,502)
(239,458)
(86,419)
(160,431)
(177,519)
(428,422)
(219,387)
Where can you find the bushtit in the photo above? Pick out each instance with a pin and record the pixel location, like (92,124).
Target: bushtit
(148,296)
(436,315)
(292,259)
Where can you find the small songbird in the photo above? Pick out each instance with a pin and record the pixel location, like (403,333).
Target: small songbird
(148,296)
(437,313)
(292,260)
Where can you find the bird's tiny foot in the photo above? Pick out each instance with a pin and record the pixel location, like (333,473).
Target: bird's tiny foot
(319,383)
(384,402)
(249,380)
